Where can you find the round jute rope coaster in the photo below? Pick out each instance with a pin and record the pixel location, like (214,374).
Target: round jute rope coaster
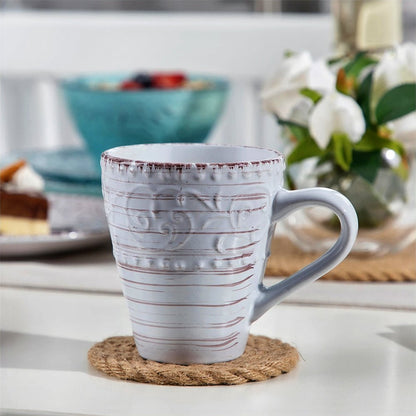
(263,358)
(286,259)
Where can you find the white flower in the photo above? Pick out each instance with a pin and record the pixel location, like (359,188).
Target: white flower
(395,67)
(281,94)
(339,113)
(301,111)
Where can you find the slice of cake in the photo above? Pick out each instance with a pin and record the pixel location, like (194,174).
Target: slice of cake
(23,206)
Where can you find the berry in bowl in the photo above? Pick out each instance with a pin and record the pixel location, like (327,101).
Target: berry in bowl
(112,110)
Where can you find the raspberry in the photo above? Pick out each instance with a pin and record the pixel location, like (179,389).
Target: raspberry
(130,85)
(168,80)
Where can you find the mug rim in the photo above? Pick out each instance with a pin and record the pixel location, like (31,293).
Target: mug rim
(275,157)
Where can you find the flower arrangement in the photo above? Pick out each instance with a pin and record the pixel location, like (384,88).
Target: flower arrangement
(355,117)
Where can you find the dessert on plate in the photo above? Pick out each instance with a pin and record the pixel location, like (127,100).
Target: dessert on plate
(23,205)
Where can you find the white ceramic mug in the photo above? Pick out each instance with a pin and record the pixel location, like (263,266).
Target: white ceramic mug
(191,226)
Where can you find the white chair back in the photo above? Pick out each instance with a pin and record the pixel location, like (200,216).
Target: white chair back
(39,47)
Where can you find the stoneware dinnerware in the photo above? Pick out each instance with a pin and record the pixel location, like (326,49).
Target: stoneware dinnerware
(109,118)
(191,226)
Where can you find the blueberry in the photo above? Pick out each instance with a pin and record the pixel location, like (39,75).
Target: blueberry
(145,80)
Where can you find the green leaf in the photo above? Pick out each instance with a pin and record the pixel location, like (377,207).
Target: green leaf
(352,62)
(284,122)
(372,141)
(288,53)
(324,158)
(299,131)
(363,96)
(305,149)
(366,164)
(396,103)
(335,60)
(342,150)
(360,61)
(312,94)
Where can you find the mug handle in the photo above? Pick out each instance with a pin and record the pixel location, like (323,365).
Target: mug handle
(284,203)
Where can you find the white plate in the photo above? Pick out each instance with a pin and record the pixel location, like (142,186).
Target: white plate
(76,221)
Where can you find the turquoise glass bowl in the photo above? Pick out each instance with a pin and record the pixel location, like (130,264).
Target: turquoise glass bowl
(110,118)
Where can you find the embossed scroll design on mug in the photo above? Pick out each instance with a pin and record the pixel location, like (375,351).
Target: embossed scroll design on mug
(172,228)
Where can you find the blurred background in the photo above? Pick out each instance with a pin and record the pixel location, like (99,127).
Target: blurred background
(241,40)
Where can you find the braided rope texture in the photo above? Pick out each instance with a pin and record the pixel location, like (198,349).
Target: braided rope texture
(286,259)
(263,358)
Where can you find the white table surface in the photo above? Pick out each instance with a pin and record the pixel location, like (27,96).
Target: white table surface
(357,341)
(354,362)
(95,270)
